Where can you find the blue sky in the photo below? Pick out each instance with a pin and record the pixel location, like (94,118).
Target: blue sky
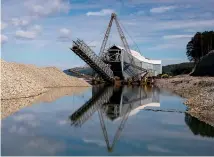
(41,32)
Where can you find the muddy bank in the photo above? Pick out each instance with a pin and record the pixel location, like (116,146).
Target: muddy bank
(24,81)
(199,92)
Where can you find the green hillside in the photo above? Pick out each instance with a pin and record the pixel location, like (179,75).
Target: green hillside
(178,69)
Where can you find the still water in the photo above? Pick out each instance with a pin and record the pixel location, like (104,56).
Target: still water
(107,121)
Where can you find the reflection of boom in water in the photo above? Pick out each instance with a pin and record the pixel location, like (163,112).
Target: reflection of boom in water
(88,109)
(116,103)
(118,132)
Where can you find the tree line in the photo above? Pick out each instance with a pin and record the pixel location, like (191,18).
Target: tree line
(200,45)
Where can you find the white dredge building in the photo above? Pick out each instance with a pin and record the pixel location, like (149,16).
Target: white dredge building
(118,58)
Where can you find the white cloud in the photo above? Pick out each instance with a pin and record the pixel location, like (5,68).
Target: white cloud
(156,148)
(65,31)
(63,122)
(102,12)
(3,25)
(18,130)
(37,28)
(190,30)
(191,24)
(47,7)
(4,38)
(130,23)
(163,46)
(177,36)
(65,35)
(141,12)
(19,22)
(22,117)
(31,33)
(45,146)
(29,119)
(25,34)
(162,9)
(97,142)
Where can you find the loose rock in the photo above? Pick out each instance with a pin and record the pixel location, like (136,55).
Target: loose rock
(23,81)
(199,92)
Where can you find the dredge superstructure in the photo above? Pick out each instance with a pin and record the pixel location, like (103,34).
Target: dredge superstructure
(117,61)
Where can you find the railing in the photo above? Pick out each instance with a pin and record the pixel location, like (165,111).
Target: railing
(92,59)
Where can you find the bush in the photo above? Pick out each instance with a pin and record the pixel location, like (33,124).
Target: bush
(165,76)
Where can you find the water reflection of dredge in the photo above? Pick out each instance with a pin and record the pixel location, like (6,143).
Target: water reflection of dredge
(115,103)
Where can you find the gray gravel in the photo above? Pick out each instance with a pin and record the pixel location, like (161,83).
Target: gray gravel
(199,92)
(23,81)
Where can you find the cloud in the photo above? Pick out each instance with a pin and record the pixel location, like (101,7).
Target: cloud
(3,25)
(65,31)
(177,36)
(32,33)
(65,35)
(4,38)
(19,22)
(184,24)
(48,7)
(102,12)
(63,122)
(45,146)
(156,148)
(22,117)
(97,142)
(29,119)
(154,27)
(18,130)
(163,46)
(162,9)
(141,12)
(25,34)
(190,30)
(37,28)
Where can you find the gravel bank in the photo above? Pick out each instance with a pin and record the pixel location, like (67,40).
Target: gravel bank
(199,92)
(9,107)
(23,81)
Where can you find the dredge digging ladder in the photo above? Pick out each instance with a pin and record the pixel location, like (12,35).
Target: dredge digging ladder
(94,61)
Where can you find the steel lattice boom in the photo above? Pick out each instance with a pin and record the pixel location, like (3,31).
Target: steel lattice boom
(130,70)
(94,61)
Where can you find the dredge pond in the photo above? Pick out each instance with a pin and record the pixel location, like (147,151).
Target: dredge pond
(107,121)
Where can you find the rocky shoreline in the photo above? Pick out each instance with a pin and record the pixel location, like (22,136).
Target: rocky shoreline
(199,92)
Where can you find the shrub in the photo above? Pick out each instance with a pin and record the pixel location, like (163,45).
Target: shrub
(165,76)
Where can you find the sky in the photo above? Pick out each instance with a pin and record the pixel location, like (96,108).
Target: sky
(41,32)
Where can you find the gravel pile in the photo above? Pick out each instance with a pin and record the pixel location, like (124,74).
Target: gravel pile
(9,107)
(16,82)
(56,93)
(22,81)
(199,92)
